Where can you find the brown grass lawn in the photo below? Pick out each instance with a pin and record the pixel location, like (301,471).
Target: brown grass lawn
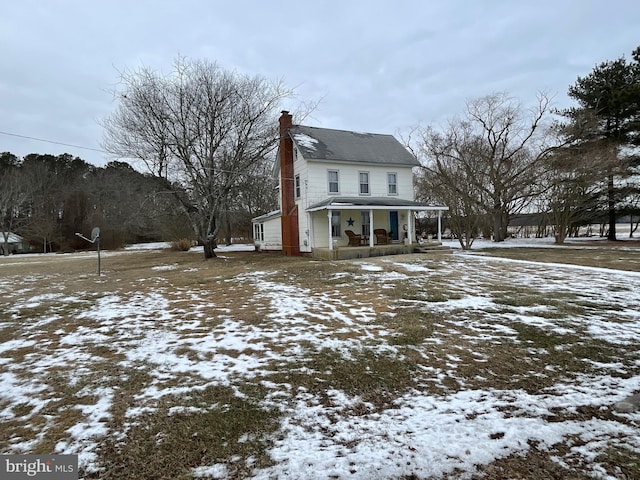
(170,366)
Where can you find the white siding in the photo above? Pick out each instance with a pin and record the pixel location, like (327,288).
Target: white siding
(272,234)
(314,227)
(317,181)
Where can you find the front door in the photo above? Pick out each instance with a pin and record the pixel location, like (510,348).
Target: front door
(393,225)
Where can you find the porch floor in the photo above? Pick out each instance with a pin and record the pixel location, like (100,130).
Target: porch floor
(365,251)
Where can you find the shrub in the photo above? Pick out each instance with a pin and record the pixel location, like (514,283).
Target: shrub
(182,244)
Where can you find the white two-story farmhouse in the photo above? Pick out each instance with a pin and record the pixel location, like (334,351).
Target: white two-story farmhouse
(341,190)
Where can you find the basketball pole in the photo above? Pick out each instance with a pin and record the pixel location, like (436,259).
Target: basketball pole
(95,238)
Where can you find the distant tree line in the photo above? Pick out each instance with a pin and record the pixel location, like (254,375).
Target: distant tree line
(47,199)
(574,167)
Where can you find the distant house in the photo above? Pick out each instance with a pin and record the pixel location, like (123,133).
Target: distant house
(12,243)
(340,188)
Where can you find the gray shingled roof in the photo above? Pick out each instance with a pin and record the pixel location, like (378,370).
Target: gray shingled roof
(323,144)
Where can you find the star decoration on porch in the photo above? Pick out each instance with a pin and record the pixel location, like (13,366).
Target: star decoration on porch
(350,222)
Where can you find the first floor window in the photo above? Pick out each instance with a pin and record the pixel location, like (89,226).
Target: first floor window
(259,232)
(365,221)
(336,220)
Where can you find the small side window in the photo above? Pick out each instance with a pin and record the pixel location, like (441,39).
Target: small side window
(297,179)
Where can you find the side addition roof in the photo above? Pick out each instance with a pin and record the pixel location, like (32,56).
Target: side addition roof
(267,216)
(323,144)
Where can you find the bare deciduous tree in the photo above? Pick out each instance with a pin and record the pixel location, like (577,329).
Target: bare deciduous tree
(443,181)
(491,158)
(573,192)
(200,127)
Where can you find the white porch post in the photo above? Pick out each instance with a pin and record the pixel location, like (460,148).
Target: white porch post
(410,226)
(439,225)
(330,215)
(371,228)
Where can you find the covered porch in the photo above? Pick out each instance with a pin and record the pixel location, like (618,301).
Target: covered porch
(364,227)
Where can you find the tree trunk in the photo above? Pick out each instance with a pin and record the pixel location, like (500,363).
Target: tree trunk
(498,225)
(209,240)
(612,208)
(561,235)
(209,248)
(4,247)
(228,236)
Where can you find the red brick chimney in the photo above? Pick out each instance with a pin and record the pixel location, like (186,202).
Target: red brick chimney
(290,235)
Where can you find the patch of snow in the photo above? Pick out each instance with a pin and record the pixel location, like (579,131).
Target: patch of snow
(165,267)
(532,242)
(368,267)
(429,436)
(305,140)
(218,470)
(84,435)
(149,246)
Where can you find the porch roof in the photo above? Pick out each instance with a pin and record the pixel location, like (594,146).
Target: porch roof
(371,203)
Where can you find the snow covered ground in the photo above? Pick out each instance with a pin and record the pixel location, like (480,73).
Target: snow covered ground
(533,242)
(66,333)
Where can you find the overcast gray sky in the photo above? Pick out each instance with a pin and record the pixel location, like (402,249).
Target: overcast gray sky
(380,66)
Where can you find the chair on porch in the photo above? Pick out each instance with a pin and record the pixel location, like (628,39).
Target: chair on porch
(354,240)
(382,238)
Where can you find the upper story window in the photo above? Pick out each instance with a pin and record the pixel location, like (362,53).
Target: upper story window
(297,185)
(364,183)
(392,183)
(334,181)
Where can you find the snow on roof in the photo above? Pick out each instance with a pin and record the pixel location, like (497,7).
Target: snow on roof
(13,238)
(305,141)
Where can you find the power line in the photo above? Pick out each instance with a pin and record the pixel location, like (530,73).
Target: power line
(52,141)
